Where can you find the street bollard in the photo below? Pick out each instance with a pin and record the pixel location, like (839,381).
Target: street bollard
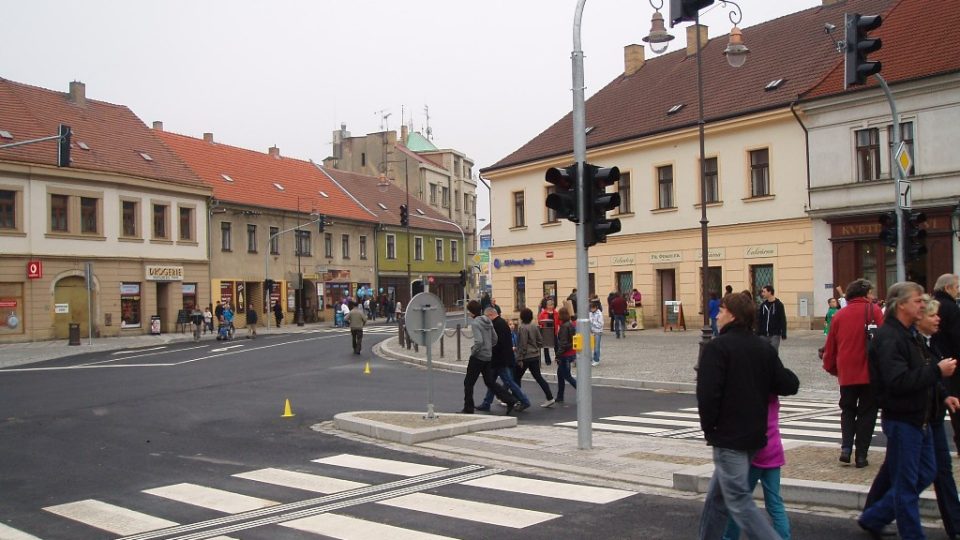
(458,342)
(441,345)
(402,334)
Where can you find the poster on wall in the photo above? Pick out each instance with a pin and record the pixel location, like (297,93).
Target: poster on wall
(241,306)
(275,295)
(9,314)
(291,300)
(226,292)
(129,305)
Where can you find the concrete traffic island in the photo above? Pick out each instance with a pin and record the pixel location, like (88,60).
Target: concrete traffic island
(414,427)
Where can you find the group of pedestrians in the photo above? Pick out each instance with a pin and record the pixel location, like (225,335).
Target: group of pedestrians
(900,361)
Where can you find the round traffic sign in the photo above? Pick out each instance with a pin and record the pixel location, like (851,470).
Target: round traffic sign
(425,318)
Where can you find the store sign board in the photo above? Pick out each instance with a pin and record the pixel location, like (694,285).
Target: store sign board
(34,269)
(756,252)
(164,273)
(622,260)
(658,257)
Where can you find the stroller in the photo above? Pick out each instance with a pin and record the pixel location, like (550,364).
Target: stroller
(223,332)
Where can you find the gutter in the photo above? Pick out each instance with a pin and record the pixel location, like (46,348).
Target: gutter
(806,145)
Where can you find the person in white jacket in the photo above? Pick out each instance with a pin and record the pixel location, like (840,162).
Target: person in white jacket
(596,330)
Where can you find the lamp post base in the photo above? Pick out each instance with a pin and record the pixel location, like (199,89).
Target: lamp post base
(299,317)
(706,334)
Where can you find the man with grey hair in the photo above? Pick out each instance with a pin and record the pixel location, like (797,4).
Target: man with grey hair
(947,340)
(906,388)
(479,365)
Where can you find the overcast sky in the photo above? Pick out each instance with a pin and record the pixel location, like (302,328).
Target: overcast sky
(494,73)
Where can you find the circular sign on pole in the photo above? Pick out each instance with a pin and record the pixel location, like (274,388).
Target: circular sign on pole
(425,318)
(430,280)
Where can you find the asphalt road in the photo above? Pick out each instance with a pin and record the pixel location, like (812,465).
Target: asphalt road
(125,426)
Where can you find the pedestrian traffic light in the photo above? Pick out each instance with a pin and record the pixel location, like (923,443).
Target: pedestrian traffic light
(888,229)
(63,149)
(404,216)
(268,285)
(416,287)
(563,199)
(858,45)
(322,222)
(914,236)
(599,202)
(463,278)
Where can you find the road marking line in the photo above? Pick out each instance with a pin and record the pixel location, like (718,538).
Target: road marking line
(299,480)
(350,528)
(653,421)
(821,425)
(388,466)
(108,517)
(545,488)
(221,349)
(494,514)
(249,350)
(673,414)
(617,427)
(214,499)
(140,356)
(133,351)
(814,404)
(9,533)
(809,433)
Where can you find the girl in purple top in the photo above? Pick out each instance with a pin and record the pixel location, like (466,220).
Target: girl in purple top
(765,468)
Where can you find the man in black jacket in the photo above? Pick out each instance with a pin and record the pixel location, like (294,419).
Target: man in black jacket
(771,318)
(906,390)
(503,362)
(947,340)
(737,374)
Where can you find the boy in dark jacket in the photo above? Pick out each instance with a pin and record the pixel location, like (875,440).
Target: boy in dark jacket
(771,318)
(737,374)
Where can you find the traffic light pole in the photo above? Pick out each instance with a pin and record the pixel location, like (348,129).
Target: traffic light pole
(266,264)
(584,393)
(899,185)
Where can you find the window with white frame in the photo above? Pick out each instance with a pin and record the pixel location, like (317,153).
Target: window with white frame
(519,220)
(454,250)
(418,248)
(391,246)
(623,188)
(760,172)
(438,245)
(711,177)
(665,187)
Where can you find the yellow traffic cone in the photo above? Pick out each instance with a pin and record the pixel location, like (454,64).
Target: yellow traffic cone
(366,369)
(287,413)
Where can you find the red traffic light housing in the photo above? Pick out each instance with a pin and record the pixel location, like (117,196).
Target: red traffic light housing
(599,202)
(858,45)
(563,200)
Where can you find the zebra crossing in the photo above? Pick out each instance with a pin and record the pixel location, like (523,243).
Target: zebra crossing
(375,329)
(799,421)
(334,507)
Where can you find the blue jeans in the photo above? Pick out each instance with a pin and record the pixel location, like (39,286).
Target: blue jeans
(563,374)
(596,347)
(770,481)
(912,467)
(713,326)
(729,497)
(506,375)
(620,325)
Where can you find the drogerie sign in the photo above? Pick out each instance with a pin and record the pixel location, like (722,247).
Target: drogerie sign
(164,273)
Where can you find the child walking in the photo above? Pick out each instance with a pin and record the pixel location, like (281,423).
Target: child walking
(596,330)
(566,355)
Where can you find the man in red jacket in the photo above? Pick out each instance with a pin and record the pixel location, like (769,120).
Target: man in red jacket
(845,357)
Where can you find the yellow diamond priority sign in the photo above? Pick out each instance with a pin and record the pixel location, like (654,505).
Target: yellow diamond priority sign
(903,159)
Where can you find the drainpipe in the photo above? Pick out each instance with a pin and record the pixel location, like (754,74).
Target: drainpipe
(806,145)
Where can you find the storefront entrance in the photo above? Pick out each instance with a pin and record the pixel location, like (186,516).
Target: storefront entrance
(70,300)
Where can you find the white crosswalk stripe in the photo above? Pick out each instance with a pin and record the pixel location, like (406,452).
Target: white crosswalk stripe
(237,511)
(799,420)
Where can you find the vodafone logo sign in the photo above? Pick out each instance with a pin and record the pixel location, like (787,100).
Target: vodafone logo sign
(34,270)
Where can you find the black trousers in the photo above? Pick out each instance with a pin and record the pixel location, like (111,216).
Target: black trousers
(356,335)
(858,417)
(475,369)
(533,364)
(955,423)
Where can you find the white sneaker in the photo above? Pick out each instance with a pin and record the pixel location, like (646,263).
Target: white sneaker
(500,403)
(594,364)
(548,403)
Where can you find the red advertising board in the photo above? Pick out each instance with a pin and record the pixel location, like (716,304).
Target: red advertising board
(35,269)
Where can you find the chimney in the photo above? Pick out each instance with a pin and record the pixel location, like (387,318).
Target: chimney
(632,59)
(274,152)
(208,137)
(692,38)
(78,92)
(158,125)
(403,135)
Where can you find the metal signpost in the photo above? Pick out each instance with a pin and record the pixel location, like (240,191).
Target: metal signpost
(425,319)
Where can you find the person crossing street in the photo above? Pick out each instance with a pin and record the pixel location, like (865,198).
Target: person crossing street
(356,319)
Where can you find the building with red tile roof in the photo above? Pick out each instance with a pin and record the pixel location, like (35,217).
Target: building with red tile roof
(126,204)
(852,158)
(645,121)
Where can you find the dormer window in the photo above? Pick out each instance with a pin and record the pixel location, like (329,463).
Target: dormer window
(324,195)
(5,134)
(83,145)
(381,205)
(145,156)
(774,84)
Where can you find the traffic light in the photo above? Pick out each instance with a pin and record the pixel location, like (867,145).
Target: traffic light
(63,149)
(599,202)
(563,200)
(686,10)
(416,287)
(322,222)
(858,45)
(404,216)
(463,278)
(914,236)
(888,229)
(268,285)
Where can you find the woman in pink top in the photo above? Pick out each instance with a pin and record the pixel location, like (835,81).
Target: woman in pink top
(765,468)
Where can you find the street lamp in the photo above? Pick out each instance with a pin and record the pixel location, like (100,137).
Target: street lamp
(736,53)
(298,316)
(463,240)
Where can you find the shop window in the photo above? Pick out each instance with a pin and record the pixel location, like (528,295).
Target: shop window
(189,297)
(520,293)
(11,308)
(761,275)
(130,305)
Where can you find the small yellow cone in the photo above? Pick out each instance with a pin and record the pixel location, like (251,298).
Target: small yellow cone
(287,413)
(366,369)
